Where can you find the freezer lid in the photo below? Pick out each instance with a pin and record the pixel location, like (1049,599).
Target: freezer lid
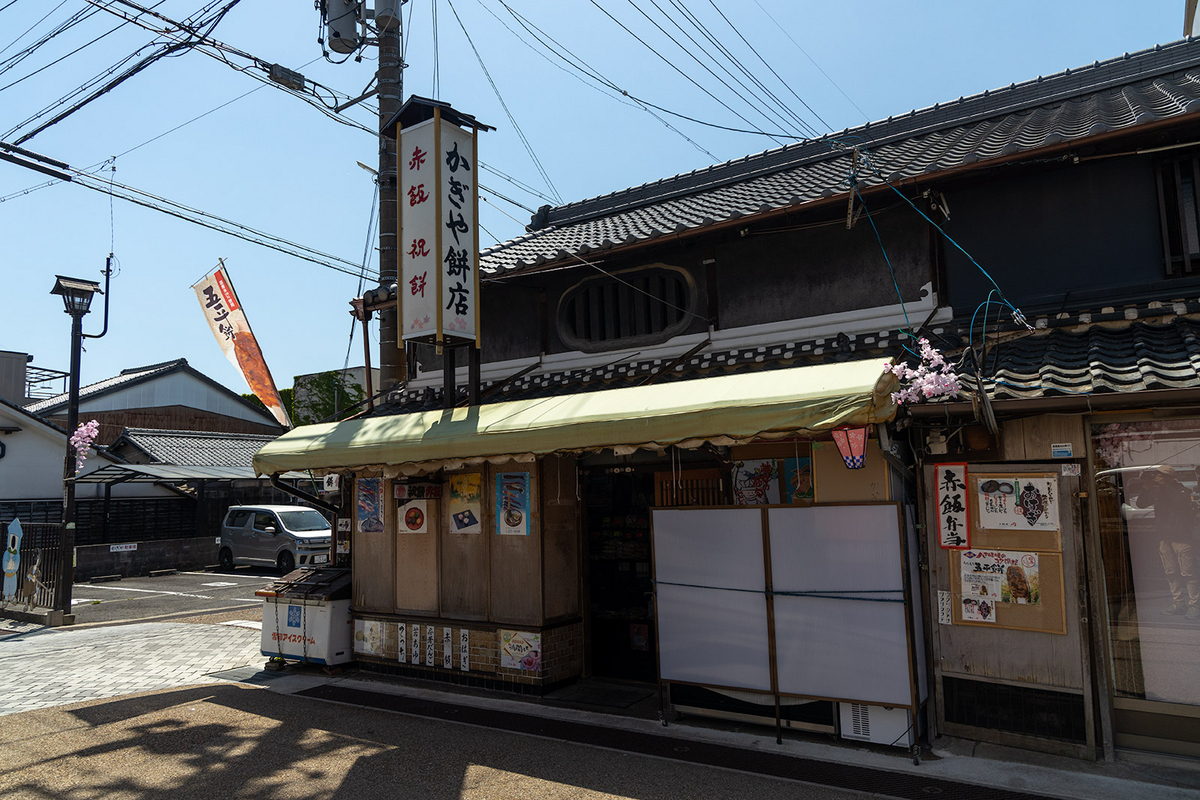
(311,583)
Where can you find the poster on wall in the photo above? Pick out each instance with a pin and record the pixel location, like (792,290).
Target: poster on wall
(368,637)
(1017,502)
(512,504)
(414,516)
(466,495)
(1010,577)
(521,650)
(755,482)
(370,506)
(797,480)
(954,523)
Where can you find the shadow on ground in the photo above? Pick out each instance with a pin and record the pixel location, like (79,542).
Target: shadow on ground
(236,741)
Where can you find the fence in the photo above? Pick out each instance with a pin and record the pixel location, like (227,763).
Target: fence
(40,546)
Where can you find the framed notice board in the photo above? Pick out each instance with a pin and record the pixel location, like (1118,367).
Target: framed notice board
(1012,575)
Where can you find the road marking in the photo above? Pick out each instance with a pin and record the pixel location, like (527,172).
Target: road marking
(148,591)
(244,623)
(219,584)
(252,578)
(75,600)
(250,600)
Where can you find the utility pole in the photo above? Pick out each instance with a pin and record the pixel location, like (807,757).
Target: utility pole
(390,83)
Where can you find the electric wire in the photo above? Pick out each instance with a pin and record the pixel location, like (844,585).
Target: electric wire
(892,272)
(72,52)
(804,125)
(588,71)
(7,5)
(774,117)
(64,26)
(31,27)
(520,133)
(811,59)
(437,65)
(786,84)
(599,81)
(675,67)
(515,182)
(372,220)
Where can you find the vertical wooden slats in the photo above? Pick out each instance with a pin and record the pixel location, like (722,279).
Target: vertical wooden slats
(1183,242)
(1162,216)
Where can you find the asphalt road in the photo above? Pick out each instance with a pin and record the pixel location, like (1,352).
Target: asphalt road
(184,593)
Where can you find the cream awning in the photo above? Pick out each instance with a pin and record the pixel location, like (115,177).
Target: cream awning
(726,409)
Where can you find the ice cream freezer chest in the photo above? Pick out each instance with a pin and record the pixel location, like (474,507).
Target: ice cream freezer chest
(306,616)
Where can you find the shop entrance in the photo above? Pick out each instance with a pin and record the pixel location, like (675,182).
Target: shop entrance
(622,637)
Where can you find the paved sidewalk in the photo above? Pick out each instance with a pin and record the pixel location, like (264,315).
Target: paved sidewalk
(55,666)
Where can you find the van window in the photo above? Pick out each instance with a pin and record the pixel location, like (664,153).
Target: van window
(262,519)
(303,521)
(236,518)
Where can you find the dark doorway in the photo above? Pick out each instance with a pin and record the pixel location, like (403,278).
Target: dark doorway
(621,608)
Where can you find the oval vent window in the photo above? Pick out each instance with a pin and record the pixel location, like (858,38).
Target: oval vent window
(636,307)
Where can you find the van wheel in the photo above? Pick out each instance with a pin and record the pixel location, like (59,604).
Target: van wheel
(226,559)
(287,562)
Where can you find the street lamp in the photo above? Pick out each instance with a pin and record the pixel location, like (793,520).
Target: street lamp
(77,300)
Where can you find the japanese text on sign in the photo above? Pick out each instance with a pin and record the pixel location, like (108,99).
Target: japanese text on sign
(952,506)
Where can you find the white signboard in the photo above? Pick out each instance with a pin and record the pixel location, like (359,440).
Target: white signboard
(999,576)
(415,650)
(460,285)
(439,237)
(401,642)
(1017,502)
(123,548)
(330,482)
(464,650)
(417,160)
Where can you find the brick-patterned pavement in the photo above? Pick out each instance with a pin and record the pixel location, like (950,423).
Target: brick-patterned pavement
(53,667)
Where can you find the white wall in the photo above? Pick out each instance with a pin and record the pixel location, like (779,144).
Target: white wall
(32,466)
(178,389)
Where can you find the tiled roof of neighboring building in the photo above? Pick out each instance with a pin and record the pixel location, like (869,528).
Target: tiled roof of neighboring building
(1121,93)
(128,376)
(195,448)
(1098,358)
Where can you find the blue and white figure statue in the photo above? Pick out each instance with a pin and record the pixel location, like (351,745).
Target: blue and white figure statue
(11,562)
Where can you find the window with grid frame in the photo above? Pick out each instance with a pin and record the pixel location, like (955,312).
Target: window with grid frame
(1178,181)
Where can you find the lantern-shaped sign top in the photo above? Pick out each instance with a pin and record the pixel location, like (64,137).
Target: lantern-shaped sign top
(438,239)
(852,444)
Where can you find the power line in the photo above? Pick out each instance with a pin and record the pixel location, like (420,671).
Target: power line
(675,67)
(528,147)
(31,27)
(810,58)
(754,50)
(778,118)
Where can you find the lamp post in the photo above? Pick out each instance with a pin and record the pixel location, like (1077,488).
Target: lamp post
(77,298)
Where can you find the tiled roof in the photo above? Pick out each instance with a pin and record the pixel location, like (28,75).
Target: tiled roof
(195,448)
(1120,93)
(706,363)
(52,404)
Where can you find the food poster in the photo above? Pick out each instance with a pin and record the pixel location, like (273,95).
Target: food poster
(414,516)
(1007,576)
(466,495)
(954,529)
(512,504)
(521,650)
(368,637)
(798,480)
(370,505)
(755,482)
(1020,503)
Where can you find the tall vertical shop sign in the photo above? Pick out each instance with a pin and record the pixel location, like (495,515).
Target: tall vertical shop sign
(439,232)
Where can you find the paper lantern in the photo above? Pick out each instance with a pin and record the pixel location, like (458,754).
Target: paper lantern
(852,444)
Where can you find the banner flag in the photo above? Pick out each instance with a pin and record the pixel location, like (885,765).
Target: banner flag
(232,331)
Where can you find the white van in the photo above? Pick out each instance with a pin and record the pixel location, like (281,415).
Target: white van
(281,536)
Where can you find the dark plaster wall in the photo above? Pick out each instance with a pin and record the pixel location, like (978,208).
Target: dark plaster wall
(822,270)
(1081,229)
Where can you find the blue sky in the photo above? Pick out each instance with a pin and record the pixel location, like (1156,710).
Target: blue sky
(275,163)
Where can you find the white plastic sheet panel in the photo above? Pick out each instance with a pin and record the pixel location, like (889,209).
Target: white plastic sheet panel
(714,547)
(715,635)
(855,647)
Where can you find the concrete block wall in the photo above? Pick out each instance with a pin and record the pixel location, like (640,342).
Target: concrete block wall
(183,554)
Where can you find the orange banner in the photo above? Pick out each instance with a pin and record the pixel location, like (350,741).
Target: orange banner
(229,325)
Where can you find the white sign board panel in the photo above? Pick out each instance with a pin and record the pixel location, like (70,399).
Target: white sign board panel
(419,261)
